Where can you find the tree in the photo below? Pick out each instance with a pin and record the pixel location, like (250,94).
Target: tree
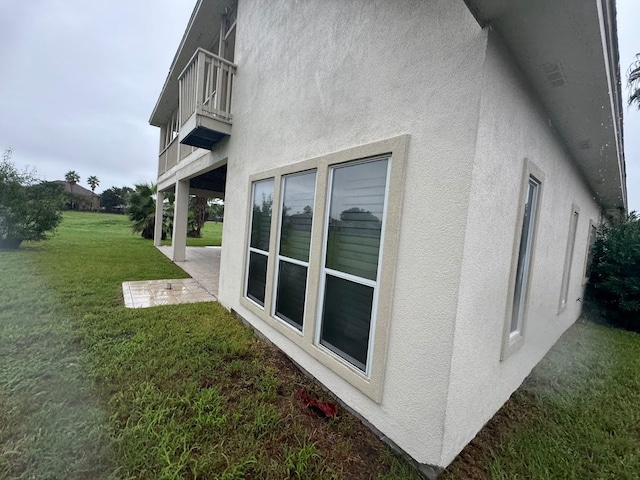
(72,177)
(114,199)
(198,213)
(142,209)
(614,280)
(634,82)
(93,182)
(29,208)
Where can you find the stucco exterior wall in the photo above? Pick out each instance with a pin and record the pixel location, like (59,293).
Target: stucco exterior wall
(320,77)
(512,128)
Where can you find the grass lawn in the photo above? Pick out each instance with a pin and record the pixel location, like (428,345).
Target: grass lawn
(92,390)
(211,236)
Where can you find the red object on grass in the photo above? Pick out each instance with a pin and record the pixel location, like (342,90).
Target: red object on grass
(327,409)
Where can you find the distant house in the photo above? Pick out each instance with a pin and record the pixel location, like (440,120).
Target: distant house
(80,198)
(410,188)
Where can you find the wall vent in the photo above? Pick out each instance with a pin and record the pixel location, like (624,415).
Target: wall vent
(584,144)
(554,74)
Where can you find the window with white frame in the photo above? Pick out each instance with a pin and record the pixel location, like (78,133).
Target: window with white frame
(568,260)
(258,254)
(296,219)
(524,258)
(352,250)
(323,284)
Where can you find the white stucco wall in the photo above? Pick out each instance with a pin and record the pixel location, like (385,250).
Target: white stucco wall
(320,77)
(512,128)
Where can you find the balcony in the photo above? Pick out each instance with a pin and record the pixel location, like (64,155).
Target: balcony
(205,90)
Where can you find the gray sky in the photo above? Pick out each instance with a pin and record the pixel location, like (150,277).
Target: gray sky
(79,78)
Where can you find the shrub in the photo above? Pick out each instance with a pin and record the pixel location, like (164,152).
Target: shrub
(615,273)
(29,208)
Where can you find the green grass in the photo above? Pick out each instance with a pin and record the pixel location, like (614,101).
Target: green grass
(211,236)
(577,416)
(90,389)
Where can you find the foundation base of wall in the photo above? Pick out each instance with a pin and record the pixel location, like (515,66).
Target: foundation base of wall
(429,471)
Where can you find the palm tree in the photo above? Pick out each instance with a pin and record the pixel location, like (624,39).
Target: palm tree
(142,209)
(72,177)
(93,182)
(634,82)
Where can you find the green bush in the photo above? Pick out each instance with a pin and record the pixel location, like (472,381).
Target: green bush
(29,208)
(615,272)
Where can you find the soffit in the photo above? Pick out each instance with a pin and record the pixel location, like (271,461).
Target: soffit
(568,51)
(202,31)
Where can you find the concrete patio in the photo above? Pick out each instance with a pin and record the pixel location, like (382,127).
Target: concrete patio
(202,263)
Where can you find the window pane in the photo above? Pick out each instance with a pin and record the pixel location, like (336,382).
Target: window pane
(292,283)
(592,241)
(524,256)
(257,277)
(261,222)
(297,215)
(566,275)
(355,218)
(346,319)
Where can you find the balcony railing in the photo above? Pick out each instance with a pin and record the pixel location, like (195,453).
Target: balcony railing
(172,155)
(206,87)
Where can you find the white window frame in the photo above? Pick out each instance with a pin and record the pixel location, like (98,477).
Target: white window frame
(294,261)
(251,249)
(568,258)
(370,382)
(513,339)
(375,284)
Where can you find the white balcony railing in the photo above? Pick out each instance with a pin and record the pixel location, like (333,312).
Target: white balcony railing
(168,157)
(206,85)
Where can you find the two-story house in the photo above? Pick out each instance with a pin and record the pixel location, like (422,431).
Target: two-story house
(410,187)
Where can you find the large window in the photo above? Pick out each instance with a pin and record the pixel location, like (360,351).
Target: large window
(524,258)
(262,202)
(296,219)
(568,260)
(322,284)
(353,233)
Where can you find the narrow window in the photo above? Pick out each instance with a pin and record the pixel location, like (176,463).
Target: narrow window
(524,258)
(568,259)
(593,231)
(293,251)
(259,241)
(352,242)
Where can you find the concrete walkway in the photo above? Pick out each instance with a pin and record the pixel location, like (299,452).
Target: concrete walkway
(202,263)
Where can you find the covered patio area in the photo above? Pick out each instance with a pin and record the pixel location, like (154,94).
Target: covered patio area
(202,263)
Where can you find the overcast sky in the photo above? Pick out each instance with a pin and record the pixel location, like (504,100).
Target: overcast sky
(79,79)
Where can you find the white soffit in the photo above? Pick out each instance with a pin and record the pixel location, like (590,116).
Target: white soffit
(568,50)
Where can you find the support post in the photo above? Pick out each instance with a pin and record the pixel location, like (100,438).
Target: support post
(180,220)
(157,232)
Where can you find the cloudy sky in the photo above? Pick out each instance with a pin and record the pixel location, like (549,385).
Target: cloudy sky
(79,79)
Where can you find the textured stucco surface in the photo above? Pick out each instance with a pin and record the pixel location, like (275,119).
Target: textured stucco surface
(366,72)
(512,128)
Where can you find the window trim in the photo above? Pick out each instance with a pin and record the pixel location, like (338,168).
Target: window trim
(397,149)
(278,257)
(513,341)
(375,284)
(565,285)
(249,249)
